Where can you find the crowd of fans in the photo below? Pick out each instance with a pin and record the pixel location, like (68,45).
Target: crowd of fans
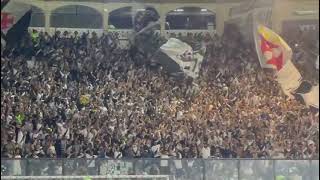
(81,96)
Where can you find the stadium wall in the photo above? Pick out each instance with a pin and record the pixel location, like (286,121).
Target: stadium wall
(220,9)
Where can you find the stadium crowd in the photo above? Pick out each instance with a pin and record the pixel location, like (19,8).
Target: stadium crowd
(80,96)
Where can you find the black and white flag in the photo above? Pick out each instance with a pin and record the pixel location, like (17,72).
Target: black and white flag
(178,58)
(15,20)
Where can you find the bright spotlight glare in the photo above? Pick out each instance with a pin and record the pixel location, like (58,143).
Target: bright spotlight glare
(179,10)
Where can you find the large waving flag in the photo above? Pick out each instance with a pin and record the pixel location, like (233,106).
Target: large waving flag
(273,51)
(15,20)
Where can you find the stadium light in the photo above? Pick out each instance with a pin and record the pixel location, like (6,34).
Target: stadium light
(303,13)
(179,10)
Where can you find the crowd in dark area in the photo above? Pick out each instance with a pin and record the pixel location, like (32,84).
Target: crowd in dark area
(71,95)
(305,46)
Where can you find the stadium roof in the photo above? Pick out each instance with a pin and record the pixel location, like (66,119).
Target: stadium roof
(159,1)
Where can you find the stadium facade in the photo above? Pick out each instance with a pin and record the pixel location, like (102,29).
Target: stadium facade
(285,13)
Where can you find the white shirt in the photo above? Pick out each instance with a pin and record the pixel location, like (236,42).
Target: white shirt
(90,137)
(103,109)
(205,152)
(179,115)
(61,129)
(117,155)
(20,138)
(39,126)
(9,119)
(52,149)
(155,148)
(84,132)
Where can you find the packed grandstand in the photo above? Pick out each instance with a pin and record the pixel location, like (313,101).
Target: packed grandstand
(72,95)
(69,95)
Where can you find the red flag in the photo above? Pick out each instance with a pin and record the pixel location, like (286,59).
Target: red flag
(267,46)
(272,50)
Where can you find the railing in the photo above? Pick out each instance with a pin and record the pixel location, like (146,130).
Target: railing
(168,33)
(181,169)
(125,33)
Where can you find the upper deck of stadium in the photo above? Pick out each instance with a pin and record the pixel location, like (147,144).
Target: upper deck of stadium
(296,11)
